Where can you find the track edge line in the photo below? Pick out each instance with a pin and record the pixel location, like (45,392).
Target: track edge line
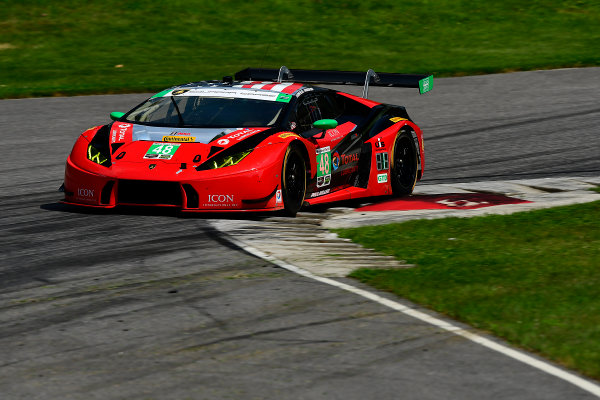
(422,316)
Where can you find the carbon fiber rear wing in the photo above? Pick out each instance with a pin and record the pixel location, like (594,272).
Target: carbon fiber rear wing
(423,82)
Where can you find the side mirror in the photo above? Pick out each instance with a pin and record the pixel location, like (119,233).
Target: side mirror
(325,124)
(115,115)
(319,127)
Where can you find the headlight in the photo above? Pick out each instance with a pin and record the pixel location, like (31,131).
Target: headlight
(227,161)
(93,154)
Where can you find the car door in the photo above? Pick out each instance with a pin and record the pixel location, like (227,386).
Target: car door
(336,152)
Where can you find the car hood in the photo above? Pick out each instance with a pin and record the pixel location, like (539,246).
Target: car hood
(124,132)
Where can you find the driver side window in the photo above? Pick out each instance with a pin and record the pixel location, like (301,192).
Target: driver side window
(312,108)
(307,112)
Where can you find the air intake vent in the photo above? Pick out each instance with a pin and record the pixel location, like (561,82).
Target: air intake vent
(149,193)
(193,200)
(106,192)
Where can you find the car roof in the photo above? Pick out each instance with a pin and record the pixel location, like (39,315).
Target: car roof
(291,88)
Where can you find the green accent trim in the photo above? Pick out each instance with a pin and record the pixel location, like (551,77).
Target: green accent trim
(161,94)
(115,115)
(325,124)
(426,84)
(284,97)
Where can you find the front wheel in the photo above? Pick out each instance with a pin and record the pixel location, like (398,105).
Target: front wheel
(404,165)
(293,180)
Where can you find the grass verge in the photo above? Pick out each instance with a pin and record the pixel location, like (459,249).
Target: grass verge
(73,46)
(531,278)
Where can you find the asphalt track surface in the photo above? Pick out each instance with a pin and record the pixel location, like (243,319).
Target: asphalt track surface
(145,305)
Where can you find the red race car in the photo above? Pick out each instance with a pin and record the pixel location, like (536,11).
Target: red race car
(264,141)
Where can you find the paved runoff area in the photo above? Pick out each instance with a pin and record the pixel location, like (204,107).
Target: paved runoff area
(306,242)
(304,245)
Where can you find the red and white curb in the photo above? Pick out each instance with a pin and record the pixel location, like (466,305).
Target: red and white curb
(469,200)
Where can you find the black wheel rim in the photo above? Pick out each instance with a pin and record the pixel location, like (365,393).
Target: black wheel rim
(404,162)
(295,179)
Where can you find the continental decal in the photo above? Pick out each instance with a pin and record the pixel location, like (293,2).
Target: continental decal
(179,139)
(397,119)
(287,135)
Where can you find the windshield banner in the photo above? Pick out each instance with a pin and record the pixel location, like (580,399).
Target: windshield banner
(230,93)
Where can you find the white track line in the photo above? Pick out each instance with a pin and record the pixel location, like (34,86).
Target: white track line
(517,355)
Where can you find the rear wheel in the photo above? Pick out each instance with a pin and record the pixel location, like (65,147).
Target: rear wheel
(404,165)
(293,180)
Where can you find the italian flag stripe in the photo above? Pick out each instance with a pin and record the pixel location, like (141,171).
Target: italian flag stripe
(292,88)
(251,84)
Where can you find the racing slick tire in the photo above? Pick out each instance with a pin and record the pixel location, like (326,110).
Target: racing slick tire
(293,180)
(403,169)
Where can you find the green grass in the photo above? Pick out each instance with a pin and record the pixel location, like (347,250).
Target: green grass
(532,278)
(72,47)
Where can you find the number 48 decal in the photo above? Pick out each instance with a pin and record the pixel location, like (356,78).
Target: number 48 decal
(161,150)
(323,161)
(323,166)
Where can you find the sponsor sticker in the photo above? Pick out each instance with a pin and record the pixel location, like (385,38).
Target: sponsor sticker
(230,93)
(179,91)
(120,132)
(320,193)
(220,200)
(382,178)
(179,139)
(397,119)
(240,134)
(284,98)
(379,144)
(304,90)
(349,158)
(334,133)
(85,193)
(278,196)
(335,160)
(161,151)
(323,180)
(286,135)
(223,142)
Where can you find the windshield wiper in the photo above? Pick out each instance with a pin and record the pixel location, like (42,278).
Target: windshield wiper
(178,112)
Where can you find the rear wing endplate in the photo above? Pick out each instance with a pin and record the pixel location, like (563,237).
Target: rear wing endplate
(423,82)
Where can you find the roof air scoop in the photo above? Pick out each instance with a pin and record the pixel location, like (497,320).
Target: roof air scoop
(370,74)
(284,70)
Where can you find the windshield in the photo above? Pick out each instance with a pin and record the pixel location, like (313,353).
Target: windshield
(206,112)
